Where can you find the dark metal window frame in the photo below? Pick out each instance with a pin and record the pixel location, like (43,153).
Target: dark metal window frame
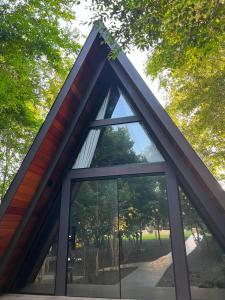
(115,121)
(182,286)
(168,140)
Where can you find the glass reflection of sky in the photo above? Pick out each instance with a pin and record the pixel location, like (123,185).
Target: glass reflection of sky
(143,145)
(122,109)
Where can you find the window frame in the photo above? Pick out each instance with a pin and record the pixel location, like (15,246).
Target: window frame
(182,287)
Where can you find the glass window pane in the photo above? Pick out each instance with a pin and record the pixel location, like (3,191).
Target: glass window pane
(119,239)
(145,246)
(116,145)
(115,105)
(206,259)
(93,240)
(44,281)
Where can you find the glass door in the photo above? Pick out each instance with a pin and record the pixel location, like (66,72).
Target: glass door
(146,263)
(93,252)
(119,239)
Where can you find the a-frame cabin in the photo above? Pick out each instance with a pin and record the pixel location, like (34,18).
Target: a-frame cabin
(111,200)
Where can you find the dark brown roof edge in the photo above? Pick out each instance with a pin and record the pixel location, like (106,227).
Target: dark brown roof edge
(48,121)
(196,163)
(194,160)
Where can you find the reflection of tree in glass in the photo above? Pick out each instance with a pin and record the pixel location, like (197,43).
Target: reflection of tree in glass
(191,220)
(142,204)
(115,147)
(206,261)
(93,219)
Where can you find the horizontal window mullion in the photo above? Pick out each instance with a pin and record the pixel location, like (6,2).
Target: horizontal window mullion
(119,170)
(114,121)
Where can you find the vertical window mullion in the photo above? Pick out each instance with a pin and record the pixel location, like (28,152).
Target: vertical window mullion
(177,239)
(61,271)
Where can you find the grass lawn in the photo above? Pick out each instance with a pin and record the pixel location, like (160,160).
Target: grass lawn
(146,236)
(187,233)
(164,235)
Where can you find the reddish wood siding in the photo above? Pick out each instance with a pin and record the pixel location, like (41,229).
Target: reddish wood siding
(39,166)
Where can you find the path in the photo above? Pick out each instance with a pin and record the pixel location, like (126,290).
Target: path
(149,273)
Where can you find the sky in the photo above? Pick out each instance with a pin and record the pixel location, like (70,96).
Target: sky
(138,58)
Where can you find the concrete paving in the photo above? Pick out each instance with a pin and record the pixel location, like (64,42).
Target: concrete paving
(42,297)
(147,273)
(140,284)
(154,294)
(150,273)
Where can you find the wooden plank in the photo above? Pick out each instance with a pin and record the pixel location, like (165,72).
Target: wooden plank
(23,195)
(8,217)
(36,169)
(40,162)
(16,210)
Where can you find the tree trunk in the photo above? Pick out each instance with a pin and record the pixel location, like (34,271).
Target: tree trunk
(84,260)
(137,238)
(121,247)
(97,262)
(140,238)
(114,250)
(158,230)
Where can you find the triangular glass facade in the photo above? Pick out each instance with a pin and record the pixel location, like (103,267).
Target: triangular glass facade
(116,145)
(115,105)
(127,231)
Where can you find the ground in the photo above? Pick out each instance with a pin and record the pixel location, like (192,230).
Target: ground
(146,271)
(206,267)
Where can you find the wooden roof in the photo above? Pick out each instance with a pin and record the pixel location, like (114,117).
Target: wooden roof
(39,178)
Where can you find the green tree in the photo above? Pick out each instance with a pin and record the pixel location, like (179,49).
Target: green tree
(186,44)
(13,146)
(115,147)
(93,216)
(143,203)
(38,46)
(191,219)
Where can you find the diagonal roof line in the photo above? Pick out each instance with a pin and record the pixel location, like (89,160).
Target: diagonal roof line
(172,129)
(48,121)
(195,166)
(164,118)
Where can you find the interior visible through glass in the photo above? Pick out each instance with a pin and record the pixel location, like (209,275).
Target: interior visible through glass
(206,259)
(117,144)
(115,105)
(119,239)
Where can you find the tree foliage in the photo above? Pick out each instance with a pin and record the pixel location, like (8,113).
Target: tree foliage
(115,147)
(38,45)
(104,211)
(186,43)
(112,209)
